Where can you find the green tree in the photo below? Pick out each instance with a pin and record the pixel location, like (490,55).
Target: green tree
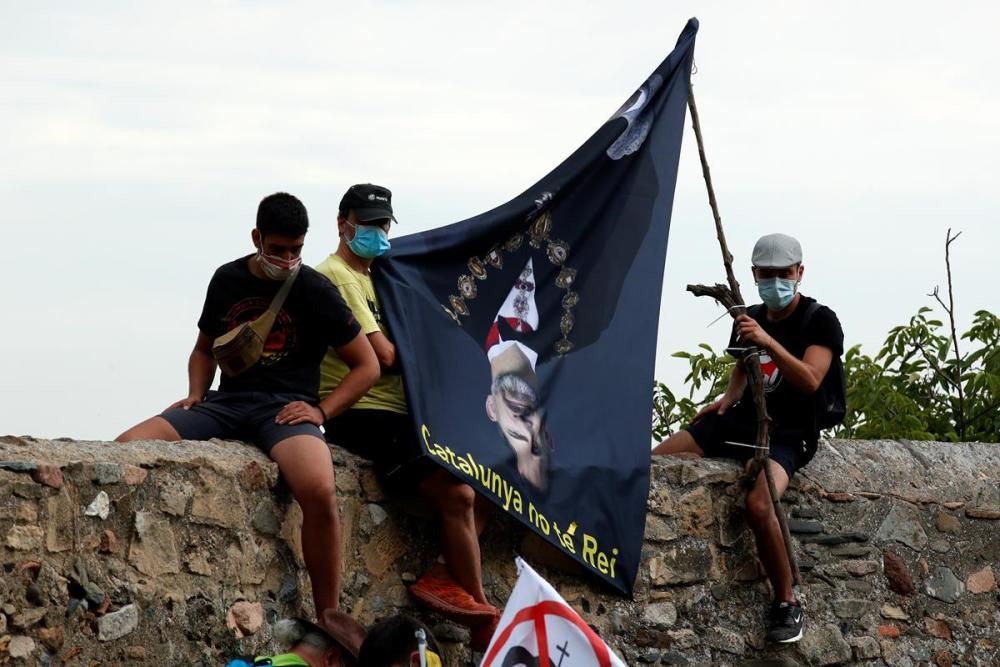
(709,370)
(916,388)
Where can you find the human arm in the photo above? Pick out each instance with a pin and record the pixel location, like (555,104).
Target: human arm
(201,372)
(734,392)
(363,372)
(805,374)
(385,351)
(362,305)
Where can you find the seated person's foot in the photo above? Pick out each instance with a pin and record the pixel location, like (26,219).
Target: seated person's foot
(439,592)
(344,629)
(479,638)
(786,622)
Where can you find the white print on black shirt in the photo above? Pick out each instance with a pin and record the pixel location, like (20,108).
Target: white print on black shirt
(769,369)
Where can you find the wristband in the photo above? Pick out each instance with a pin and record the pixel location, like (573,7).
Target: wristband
(322,412)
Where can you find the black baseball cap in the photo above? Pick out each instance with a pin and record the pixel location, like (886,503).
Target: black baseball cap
(369,202)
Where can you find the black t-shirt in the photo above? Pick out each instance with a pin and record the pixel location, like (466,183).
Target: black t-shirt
(789,407)
(313,318)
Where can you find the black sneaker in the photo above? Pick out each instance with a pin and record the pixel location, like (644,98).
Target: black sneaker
(787,620)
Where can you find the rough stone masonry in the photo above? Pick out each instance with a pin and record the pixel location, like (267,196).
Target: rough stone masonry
(186,553)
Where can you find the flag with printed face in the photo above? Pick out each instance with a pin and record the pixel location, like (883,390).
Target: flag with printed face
(539,628)
(527,334)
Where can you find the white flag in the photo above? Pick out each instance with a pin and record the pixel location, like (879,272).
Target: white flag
(538,629)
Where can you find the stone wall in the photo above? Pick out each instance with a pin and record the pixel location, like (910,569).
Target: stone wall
(183,553)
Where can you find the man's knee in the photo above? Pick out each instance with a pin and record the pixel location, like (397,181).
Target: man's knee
(682,443)
(461,496)
(154,428)
(758,506)
(319,500)
(453,497)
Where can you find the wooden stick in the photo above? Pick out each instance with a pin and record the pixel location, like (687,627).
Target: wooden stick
(727,257)
(730,297)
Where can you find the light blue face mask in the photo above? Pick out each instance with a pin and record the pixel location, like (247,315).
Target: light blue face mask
(369,241)
(776,293)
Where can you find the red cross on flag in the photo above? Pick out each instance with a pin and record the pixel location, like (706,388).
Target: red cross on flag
(538,629)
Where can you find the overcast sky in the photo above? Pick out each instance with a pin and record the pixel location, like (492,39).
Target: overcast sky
(137,142)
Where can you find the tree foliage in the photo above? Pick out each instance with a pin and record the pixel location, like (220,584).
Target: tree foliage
(709,370)
(916,387)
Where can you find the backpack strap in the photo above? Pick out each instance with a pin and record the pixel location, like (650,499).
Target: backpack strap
(807,316)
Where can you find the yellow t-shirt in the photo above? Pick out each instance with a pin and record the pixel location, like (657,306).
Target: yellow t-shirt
(359,293)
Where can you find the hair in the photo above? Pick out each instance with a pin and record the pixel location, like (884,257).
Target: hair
(513,385)
(516,387)
(391,641)
(282,213)
(292,632)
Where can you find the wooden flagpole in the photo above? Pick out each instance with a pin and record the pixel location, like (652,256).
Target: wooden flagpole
(731,299)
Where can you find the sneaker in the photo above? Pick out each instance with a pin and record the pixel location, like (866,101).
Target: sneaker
(786,622)
(439,592)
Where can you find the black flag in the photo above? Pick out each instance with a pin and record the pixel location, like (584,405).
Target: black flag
(527,334)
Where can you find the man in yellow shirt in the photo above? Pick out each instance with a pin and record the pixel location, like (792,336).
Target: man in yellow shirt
(378,427)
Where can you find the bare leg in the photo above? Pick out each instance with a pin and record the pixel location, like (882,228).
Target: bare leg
(305,463)
(154,428)
(455,502)
(764,523)
(483,510)
(679,443)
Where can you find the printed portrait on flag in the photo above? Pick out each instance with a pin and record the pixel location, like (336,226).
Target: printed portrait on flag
(527,334)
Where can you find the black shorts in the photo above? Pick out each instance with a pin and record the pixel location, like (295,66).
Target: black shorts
(240,415)
(385,438)
(790,448)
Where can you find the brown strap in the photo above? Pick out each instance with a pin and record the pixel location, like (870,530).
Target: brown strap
(286,287)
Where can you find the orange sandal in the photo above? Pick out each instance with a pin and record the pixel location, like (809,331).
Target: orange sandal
(439,592)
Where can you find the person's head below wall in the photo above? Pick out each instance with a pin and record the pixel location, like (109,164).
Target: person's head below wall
(395,642)
(283,214)
(777,269)
(336,645)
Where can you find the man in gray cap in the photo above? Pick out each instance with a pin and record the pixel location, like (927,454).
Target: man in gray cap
(800,343)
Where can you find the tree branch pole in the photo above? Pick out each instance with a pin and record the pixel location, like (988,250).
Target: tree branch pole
(954,335)
(731,298)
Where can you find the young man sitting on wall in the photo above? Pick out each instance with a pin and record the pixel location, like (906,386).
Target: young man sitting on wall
(799,342)
(378,427)
(274,403)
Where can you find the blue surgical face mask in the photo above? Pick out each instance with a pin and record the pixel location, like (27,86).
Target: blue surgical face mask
(776,293)
(369,241)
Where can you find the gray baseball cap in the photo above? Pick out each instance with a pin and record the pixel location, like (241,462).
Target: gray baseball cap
(776,251)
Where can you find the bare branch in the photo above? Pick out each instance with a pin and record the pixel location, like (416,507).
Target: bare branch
(719,292)
(932,362)
(937,297)
(960,421)
(727,257)
(730,298)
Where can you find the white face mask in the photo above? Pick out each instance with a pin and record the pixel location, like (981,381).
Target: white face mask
(276,268)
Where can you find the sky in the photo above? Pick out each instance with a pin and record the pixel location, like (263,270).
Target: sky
(138,138)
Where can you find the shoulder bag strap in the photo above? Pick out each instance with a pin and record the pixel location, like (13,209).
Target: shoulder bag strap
(286,287)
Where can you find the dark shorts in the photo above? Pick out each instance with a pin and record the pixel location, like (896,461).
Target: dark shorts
(790,448)
(240,415)
(385,438)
